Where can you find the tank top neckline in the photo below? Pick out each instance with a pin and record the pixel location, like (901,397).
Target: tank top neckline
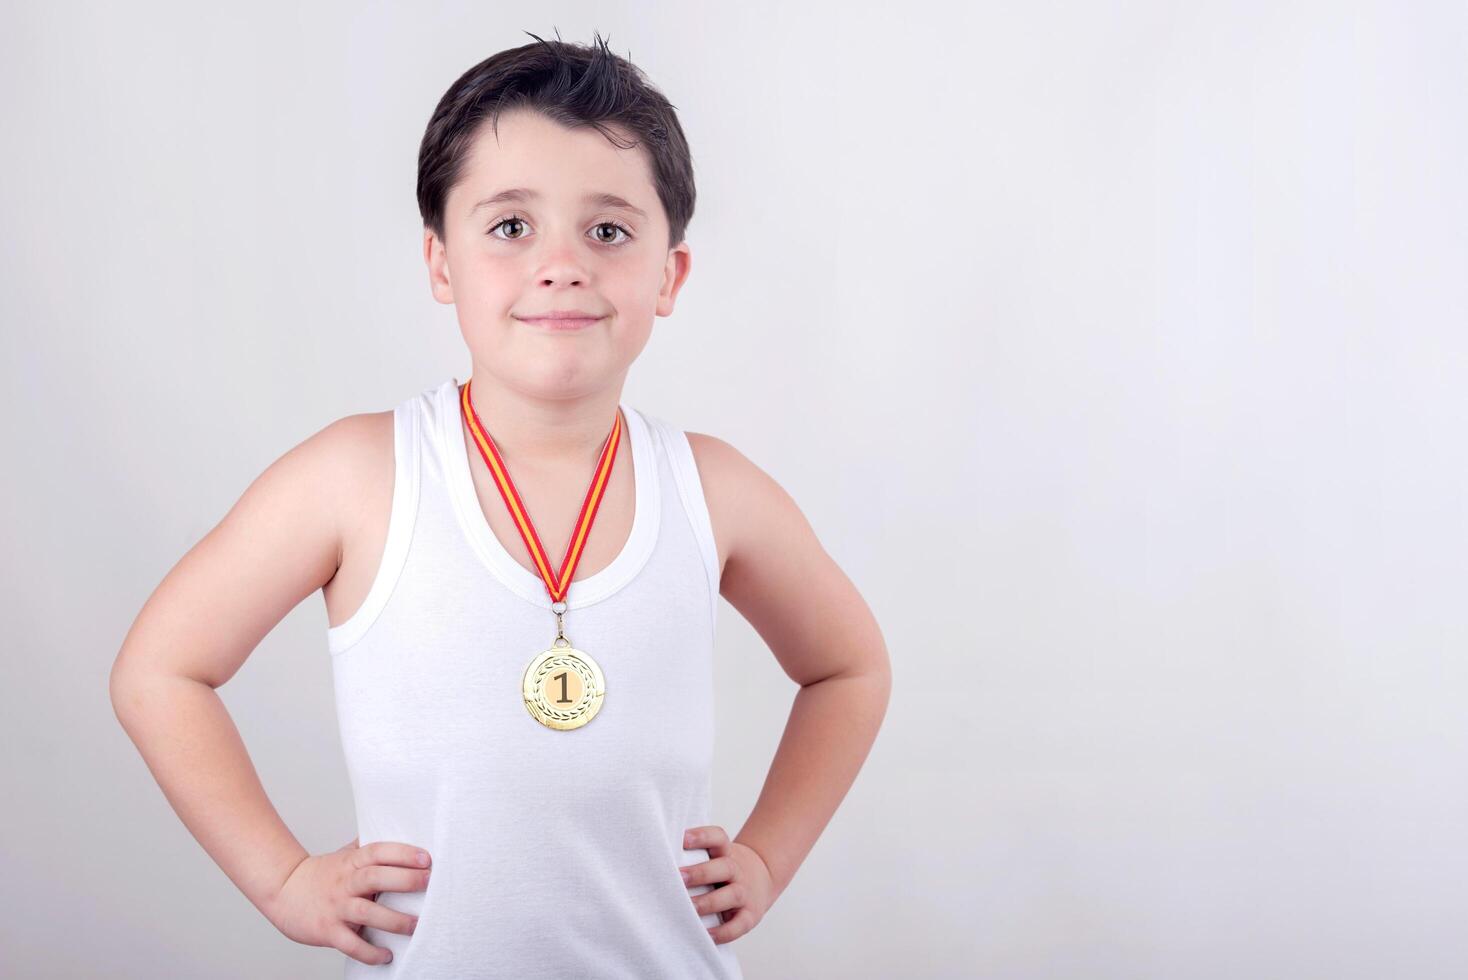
(516,577)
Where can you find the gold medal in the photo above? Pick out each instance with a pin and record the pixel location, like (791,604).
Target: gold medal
(563,687)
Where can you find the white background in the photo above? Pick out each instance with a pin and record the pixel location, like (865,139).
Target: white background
(1117,352)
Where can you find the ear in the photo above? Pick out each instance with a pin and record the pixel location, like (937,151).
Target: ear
(675,273)
(437,261)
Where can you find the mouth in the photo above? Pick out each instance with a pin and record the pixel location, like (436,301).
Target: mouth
(562,320)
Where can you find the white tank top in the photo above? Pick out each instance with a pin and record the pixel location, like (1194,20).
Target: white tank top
(555,853)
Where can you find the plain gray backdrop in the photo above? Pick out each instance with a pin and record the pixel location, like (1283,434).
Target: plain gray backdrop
(1116,351)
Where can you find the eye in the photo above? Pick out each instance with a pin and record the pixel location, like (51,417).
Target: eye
(511,220)
(615,228)
(602,236)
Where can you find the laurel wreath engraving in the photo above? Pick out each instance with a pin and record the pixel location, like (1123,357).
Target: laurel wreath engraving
(588,686)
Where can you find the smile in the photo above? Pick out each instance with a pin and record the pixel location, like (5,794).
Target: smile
(561,323)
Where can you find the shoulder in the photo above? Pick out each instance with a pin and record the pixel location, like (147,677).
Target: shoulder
(279,542)
(727,472)
(356,445)
(352,441)
(749,509)
(346,452)
(356,455)
(331,461)
(339,477)
(778,575)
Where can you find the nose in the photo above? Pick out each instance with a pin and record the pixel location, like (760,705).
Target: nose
(566,279)
(561,263)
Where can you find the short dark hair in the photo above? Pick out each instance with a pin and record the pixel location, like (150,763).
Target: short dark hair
(573,84)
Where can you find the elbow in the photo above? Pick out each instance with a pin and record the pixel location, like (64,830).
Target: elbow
(879,674)
(129,688)
(884,680)
(121,691)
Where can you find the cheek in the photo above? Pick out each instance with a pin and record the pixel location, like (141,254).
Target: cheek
(633,283)
(490,280)
(632,332)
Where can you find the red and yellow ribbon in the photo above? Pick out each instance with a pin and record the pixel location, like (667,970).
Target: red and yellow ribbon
(559,584)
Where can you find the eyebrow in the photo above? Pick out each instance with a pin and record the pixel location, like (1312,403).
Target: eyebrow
(601,199)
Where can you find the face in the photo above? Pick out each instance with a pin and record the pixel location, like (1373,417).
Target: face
(558,242)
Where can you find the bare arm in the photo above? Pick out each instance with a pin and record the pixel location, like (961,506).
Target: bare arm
(278,544)
(780,578)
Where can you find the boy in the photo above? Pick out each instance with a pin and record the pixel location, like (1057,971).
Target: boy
(528,735)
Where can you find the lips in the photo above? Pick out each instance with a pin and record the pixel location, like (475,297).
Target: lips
(562,319)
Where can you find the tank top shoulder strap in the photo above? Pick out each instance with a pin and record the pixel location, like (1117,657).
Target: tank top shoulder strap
(679,453)
(407,451)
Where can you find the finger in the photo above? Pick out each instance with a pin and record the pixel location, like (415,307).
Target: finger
(391,852)
(382,878)
(363,912)
(719,900)
(360,949)
(724,932)
(711,837)
(714,871)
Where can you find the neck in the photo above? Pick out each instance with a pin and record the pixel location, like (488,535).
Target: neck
(534,432)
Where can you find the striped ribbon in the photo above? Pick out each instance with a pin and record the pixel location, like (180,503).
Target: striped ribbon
(559,584)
